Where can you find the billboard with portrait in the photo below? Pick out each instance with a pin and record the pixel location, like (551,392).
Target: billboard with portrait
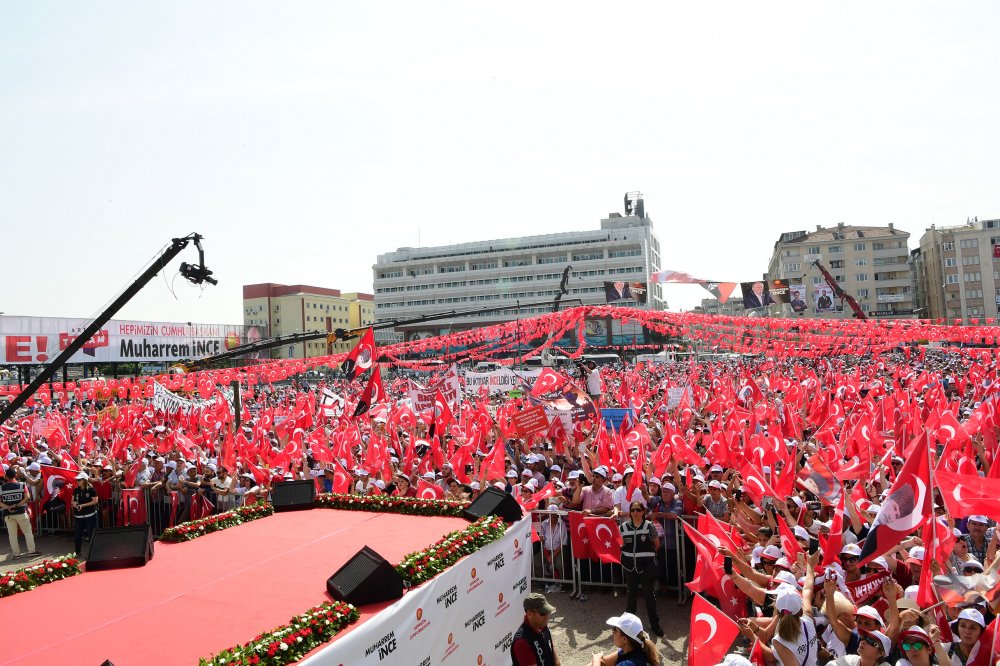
(797,297)
(625,291)
(756,294)
(823,298)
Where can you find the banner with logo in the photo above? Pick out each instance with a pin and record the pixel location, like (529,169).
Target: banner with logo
(422,397)
(467,615)
(499,381)
(33,340)
(172,403)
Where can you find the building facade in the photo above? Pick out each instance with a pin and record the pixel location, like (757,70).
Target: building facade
(960,270)
(520,277)
(870,263)
(286,309)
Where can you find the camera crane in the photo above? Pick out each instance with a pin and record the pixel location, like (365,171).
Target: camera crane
(193,273)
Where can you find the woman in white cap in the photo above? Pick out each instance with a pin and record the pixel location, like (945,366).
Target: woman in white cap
(966,629)
(633,647)
(873,649)
(795,642)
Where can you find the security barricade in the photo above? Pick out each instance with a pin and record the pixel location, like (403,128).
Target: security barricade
(556,562)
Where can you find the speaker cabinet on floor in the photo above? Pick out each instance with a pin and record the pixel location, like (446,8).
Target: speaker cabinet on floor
(117,547)
(366,579)
(293,495)
(494,502)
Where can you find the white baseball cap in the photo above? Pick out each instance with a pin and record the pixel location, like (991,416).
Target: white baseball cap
(628,624)
(788,601)
(603,471)
(880,637)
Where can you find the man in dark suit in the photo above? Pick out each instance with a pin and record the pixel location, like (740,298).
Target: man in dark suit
(757,297)
(617,291)
(798,305)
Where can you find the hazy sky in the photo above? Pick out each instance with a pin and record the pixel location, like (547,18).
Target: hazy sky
(303,139)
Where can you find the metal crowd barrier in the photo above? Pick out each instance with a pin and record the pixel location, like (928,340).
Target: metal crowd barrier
(53,518)
(565,568)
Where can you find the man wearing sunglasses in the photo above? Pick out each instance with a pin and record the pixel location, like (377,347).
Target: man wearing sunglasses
(532,643)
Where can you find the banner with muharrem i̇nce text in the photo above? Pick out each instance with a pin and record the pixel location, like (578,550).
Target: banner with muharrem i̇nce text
(466,615)
(36,340)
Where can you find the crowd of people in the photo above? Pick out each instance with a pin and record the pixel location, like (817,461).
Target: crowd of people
(775,474)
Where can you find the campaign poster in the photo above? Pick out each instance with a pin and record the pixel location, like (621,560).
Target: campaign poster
(797,297)
(778,289)
(756,294)
(625,291)
(823,298)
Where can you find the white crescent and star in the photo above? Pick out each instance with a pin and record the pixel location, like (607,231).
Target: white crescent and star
(710,621)
(581,532)
(950,429)
(597,533)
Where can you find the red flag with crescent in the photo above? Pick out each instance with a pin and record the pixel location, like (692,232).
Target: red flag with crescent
(372,393)
(134,501)
(56,482)
(361,358)
(967,495)
(426,490)
(578,536)
(712,633)
(605,538)
(906,508)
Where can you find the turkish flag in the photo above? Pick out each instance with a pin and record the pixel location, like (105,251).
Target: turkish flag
(788,541)
(427,490)
(708,561)
(712,633)
(494,464)
(967,495)
(57,481)
(756,486)
(578,536)
(906,508)
(547,491)
(134,501)
(605,538)
(817,477)
(442,412)
(132,473)
(361,358)
(832,544)
(374,392)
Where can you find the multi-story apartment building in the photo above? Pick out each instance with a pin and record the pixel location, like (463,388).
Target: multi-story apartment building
(960,270)
(520,276)
(733,307)
(870,263)
(300,308)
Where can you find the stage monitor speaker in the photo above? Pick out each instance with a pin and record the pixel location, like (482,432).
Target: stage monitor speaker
(117,547)
(494,502)
(293,495)
(366,579)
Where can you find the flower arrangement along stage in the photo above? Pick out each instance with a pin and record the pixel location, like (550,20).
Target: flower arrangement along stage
(411,506)
(31,577)
(196,528)
(290,642)
(421,566)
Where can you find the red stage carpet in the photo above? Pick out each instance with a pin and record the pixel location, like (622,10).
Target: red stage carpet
(197,598)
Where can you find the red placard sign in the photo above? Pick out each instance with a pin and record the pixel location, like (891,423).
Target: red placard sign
(531,420)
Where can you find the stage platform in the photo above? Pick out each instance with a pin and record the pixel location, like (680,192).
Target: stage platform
(197,598)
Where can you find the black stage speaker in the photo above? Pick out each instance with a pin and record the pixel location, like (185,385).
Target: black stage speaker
(293,495)
(494,502)
(366,579)
(116,547)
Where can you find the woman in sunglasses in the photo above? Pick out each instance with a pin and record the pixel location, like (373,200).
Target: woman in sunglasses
(639,545)
(922,648)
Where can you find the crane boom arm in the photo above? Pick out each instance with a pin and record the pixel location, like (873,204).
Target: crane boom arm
(841,294)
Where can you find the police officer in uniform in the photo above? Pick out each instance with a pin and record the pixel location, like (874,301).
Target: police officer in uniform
(532,643)
(14,507)
(639,545)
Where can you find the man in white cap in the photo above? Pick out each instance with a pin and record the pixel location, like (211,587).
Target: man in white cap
(979,537)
